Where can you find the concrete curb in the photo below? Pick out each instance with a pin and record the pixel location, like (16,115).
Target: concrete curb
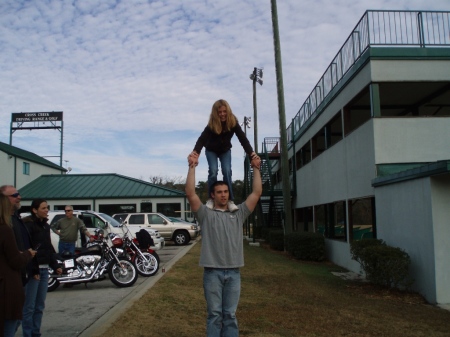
(105,321)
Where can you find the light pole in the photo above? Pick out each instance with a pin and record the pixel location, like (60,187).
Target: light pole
(282,120)
(256,76)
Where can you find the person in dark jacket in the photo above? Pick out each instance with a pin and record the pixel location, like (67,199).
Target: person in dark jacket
(11,261)
(216,138)
(36,290)
(21,234)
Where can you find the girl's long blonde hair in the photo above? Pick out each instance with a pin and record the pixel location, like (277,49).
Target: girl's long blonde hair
(214,121)
(5,210)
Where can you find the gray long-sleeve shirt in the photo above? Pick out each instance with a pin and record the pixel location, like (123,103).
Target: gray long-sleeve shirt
(68,229)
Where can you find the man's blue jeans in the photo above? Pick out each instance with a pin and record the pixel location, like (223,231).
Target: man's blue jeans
(33,309)
(213,170)
(222,289)
(69,246)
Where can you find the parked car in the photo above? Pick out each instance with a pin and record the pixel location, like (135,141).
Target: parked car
(179,232)
(93,220)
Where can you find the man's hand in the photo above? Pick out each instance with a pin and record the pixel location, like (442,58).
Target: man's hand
(59,271)
(32,252)
(193,158)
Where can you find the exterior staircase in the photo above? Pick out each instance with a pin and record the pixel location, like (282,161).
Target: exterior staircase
(271,204)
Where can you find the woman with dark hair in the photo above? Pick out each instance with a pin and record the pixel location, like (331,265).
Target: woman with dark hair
(11,262)
(36,290)
(216,138)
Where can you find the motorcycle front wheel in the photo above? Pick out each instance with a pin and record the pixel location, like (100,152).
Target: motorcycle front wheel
(53,283)
(147,264)
(123,273)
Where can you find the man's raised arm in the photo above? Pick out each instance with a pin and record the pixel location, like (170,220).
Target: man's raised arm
(192,197)
(252,199)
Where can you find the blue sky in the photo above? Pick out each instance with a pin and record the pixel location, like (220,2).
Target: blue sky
(136,79)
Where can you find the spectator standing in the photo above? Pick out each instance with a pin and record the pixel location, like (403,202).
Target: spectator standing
(36,290)
(21,234)
(11,262)
(222,252)
(67,228)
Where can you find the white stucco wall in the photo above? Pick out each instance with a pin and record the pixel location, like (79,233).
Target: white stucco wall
(342,172)
(409,70)
(440,195)
(409,140)
(404,220)
(9,165)
(94,204)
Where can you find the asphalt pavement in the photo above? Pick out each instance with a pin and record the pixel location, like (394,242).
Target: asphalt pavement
(88,310)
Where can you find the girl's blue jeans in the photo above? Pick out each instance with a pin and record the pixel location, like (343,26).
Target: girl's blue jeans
(33,309)
(213,169)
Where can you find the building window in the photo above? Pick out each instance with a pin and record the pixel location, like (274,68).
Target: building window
(362,218)
(26,168)
(111,209)
(305,220)
(170,209)
(146,207)
(330,220)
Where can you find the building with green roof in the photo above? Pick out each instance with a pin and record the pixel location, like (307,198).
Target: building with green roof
(107,193)
(369,150)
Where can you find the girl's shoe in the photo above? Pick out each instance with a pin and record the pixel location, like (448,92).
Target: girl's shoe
(210,204)
(232,207)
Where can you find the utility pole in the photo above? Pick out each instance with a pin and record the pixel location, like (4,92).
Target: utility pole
(282,118)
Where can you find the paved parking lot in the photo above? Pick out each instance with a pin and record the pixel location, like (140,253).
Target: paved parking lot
(83,310)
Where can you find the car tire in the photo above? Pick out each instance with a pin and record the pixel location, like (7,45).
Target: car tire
(181,238)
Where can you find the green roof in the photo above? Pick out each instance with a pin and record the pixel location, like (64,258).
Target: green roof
(90,186)
(29,156)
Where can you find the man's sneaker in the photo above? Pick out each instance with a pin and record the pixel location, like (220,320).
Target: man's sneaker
(231,206)
(210,204)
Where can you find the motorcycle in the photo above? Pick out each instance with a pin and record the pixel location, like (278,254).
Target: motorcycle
(145,259)
(90,264)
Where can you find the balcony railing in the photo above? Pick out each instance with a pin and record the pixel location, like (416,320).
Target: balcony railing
(376,28)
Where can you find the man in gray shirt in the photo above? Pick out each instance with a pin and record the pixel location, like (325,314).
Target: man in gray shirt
(67,228)
(222,250)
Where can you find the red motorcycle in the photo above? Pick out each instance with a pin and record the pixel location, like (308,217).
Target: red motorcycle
(145,259)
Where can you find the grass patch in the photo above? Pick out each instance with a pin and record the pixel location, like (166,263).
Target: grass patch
(281,297)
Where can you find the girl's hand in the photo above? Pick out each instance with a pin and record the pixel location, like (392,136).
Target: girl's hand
(193,159)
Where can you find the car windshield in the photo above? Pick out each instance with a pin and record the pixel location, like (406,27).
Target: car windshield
(112,222)
(178,220)
(175,219)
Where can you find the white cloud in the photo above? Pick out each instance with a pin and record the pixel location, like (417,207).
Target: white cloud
(136,79)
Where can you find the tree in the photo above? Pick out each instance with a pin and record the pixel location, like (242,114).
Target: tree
(176,183)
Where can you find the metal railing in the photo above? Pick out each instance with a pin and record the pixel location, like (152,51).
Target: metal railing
(375,28)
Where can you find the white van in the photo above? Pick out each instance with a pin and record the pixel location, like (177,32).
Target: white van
(93,220)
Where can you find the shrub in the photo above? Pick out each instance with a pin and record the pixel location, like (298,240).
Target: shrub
(384,265)
(306,246)
(276,239)
(265,233)
(357,247)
